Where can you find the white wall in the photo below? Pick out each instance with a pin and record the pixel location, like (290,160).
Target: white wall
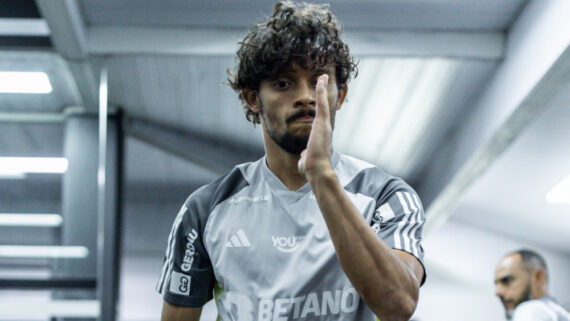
(460,262)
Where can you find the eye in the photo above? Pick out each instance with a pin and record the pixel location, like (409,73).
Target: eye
(506,280)
(281,84)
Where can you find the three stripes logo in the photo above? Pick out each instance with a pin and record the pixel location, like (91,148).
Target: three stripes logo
(238,240)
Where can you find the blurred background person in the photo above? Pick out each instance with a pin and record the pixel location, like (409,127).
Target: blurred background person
(521,282)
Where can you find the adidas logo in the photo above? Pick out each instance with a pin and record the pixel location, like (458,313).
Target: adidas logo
(238,240)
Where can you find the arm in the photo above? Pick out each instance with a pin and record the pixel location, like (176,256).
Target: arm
(172,312)
(187,279)
(363,256)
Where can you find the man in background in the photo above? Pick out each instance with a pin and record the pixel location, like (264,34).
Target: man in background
(521,281)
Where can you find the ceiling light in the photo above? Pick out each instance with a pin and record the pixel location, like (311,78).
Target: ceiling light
(18,308)
(40,251)
(12,175)
(47,220)
(24,82)
(22,165)
(560,193)
(23,27)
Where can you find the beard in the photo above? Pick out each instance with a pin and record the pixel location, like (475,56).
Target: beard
(526,296)
(289,142)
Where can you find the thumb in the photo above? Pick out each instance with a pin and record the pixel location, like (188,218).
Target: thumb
(301,162)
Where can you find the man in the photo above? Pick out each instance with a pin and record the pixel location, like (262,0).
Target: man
(521,281)
(304,233)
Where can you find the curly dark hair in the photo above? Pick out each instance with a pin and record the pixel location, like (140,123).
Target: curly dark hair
(307,34)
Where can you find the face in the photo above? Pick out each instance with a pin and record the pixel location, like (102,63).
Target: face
(512,283)
(287,105)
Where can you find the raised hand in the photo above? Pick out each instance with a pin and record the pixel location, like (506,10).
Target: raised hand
(315,159)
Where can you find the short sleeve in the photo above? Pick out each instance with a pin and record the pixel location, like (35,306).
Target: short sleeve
(187,277)
(399,218)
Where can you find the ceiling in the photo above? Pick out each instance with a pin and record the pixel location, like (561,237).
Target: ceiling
(466,100)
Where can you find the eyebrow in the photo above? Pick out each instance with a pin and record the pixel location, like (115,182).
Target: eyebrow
(503,278)
(323,71)
(319,71)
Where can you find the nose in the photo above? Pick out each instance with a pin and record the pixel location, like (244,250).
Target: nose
(499,291)
(306,96)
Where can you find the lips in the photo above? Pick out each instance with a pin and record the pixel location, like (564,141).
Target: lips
(302,115)
(507,304)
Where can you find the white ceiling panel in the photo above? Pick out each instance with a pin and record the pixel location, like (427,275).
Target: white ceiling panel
(146,164)
(182,92)
(361,14)
(399,108)
(510,196)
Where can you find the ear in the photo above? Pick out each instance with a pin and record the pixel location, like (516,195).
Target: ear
(342,91)
(252,99)
(539,276)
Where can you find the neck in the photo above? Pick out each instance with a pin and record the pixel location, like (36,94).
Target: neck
(283,164)
(539,293)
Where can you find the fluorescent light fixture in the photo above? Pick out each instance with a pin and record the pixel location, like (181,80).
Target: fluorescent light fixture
(40,251)
(24,82)
(19,309)
(22,165)
(47,220)
(12,175)
(560,194)
(23,27)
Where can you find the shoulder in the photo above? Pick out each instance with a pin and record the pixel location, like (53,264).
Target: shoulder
(533,310)
(208,196)
(359,176)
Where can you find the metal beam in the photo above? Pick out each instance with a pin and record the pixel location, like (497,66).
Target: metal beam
(48,284)
(66,26)
(110,216)
(212,155)
(463,45)
(170,41)
(68,35)
(31,117)
(41,117)
(521,89)
(484,157)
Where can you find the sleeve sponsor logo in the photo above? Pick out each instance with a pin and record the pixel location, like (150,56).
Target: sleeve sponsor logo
(383,214)
(180,283)
(190,250)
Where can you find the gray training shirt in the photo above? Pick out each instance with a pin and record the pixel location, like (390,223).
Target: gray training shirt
(266,251)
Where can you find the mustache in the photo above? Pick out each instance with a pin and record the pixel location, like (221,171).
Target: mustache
(301,113)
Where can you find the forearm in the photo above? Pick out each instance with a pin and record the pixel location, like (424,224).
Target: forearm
(382,279)
(172,312)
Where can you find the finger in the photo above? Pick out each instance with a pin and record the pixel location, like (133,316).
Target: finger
(301,161)
(322,96)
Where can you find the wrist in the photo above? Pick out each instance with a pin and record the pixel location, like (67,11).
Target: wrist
(325,175)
